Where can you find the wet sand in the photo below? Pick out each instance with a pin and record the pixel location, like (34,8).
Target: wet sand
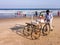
(9,37)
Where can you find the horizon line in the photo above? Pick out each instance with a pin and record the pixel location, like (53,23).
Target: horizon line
(29,8)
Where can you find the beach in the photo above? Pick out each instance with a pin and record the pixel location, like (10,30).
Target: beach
(9,37)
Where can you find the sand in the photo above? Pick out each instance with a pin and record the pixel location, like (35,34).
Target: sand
(9,37)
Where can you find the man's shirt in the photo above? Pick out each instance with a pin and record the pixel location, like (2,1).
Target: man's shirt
(49,17)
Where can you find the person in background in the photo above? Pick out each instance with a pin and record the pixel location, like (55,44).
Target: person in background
(36,13)
(49,18)
(58,13)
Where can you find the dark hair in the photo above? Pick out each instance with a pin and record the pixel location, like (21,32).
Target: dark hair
(47,10)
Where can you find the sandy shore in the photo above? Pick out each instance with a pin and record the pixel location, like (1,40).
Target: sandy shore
(9,37)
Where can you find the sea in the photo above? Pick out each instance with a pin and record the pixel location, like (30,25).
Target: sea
(22,13)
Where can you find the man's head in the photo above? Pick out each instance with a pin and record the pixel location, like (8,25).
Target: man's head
(47,11)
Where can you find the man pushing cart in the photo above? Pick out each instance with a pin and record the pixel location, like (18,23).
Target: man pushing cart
(33,29)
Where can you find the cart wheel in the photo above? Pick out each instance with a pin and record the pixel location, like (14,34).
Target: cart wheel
(27,30)
(35,34)
(46,29)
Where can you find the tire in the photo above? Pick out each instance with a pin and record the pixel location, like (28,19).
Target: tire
(27,30)
(35,34)
(46,29)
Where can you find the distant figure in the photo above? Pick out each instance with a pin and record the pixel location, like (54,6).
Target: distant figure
(36,13)
(24,15)
(58,13)
(18,13)
(49,18)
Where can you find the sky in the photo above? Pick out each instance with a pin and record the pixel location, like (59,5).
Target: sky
(29,3)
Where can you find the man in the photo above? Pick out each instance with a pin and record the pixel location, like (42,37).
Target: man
(49,18)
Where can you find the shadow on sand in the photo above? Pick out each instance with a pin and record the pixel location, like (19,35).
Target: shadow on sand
(18,29)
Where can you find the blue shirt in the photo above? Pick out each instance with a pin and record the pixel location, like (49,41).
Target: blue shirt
(48,17)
